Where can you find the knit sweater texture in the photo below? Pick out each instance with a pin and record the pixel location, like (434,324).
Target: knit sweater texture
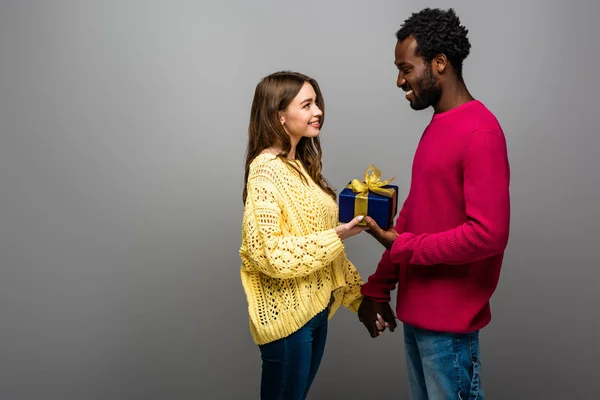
(293,261)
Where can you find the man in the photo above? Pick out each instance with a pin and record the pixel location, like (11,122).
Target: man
(446,248)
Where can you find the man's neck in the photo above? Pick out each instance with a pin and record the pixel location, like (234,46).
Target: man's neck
(455,95)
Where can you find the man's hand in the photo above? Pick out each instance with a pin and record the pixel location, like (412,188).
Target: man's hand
(386,238)
(376,316)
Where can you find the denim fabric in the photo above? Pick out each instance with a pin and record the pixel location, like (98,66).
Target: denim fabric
(443,366)
(289,365)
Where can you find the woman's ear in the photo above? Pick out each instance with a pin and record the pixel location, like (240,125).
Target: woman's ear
(281,118)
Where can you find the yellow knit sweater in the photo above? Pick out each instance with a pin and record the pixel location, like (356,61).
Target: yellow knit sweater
(292,259)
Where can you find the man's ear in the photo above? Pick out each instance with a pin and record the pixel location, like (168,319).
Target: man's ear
(439,63)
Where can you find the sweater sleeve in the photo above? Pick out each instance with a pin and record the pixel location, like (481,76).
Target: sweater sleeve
(279,254)
(385,277)
(352,297)
(486,176)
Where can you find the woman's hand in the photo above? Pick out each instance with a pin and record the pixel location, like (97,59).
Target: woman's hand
(350,229)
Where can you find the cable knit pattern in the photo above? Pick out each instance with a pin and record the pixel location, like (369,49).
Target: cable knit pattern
(292,259)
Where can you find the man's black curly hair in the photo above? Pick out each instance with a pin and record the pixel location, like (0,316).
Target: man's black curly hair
(437,31)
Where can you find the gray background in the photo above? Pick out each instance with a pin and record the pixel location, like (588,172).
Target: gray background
(123,129)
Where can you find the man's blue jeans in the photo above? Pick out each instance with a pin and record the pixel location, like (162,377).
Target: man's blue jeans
(289,365)
(442,366)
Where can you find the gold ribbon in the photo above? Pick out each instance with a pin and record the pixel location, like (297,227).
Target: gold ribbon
(372,183)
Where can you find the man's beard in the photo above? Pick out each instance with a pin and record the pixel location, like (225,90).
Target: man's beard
(429,91)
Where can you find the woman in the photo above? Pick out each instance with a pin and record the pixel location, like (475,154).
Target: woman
(294,269)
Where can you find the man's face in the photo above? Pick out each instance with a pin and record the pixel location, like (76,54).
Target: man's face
(415,76)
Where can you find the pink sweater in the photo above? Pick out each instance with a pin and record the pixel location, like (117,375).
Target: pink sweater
(453,226)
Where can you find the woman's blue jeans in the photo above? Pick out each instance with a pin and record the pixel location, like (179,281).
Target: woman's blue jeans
(289,365)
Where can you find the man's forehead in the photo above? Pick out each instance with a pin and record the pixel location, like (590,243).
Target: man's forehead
(406,48)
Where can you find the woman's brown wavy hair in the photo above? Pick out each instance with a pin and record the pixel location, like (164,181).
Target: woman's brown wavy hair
(273,94)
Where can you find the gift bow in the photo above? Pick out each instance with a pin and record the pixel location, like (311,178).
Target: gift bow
(372,183)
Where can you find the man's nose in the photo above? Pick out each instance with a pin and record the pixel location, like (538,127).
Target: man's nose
(400,81)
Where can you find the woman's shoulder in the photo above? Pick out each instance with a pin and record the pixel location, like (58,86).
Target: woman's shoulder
(266,164)
(263,158)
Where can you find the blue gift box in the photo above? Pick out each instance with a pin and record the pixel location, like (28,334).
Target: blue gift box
(381,208)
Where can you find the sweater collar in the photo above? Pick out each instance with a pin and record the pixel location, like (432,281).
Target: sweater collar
(462,107)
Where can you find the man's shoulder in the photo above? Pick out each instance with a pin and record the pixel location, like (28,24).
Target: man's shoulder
(480,117)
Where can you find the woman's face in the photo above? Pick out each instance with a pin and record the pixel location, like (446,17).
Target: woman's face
(302,116)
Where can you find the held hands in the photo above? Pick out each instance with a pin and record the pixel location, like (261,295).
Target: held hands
(350,229)
(386,238)
(376,317)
